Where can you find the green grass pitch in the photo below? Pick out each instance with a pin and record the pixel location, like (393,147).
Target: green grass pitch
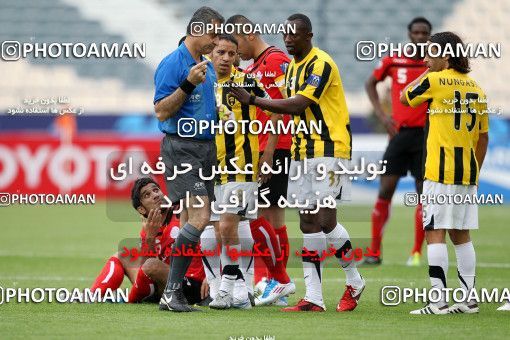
(62,246)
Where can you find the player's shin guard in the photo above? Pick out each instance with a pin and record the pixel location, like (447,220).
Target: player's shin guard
(340,240)
(188,238)
(466,263)
(283,240)
(143,288)
(312,267)
(231,270)
(265,238)
(380,216)
(419,233)
(211,263)
(437,254)
(111,276)
(246,262)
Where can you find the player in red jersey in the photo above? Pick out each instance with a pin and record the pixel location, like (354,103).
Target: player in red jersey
(405,128)
(149,274)
(268,230)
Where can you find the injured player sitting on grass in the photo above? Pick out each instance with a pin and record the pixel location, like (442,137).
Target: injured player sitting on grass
(149,274)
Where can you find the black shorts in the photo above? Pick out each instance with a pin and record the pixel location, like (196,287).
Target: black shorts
(278,183)
(200,154)
(404,153)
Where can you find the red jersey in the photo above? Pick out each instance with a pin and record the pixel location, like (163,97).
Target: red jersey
(165,238)
(269,68)
(402,71)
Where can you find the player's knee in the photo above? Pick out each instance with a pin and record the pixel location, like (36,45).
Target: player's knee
(327,219)
(150,267)
(459,236)
(387,188)
(227,230)
(435,236)
(307,218)
(386,193)
(307,226)
(200,219)
(270,219)
(274,215)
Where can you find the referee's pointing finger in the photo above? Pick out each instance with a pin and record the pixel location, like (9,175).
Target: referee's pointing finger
(203,64)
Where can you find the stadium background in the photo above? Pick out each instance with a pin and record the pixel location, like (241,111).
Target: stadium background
(116,94)
(118,120)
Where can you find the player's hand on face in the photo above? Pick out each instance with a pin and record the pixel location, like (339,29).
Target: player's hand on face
(197,73)
(204,289)
(153,222)
(240,93)
(267,159)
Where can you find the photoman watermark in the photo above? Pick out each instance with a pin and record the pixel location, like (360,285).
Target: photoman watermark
(412,199)
(7,199)
(61,295)
(13,50)
(190,127)
(367,50)
(395,295)
(198,28)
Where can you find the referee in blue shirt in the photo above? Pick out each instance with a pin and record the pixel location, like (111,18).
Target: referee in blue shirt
(185,96)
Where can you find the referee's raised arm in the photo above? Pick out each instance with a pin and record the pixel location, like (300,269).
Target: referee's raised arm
(168,106)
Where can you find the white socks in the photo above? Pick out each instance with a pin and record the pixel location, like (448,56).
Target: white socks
(466,263)
(230,269)
(211,263)
(338,238)
(438,268)
(239,288)
(246,263)
(313,269)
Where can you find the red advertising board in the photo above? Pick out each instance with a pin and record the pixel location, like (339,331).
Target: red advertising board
(41,163)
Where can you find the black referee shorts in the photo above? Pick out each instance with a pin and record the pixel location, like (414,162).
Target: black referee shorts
(201,154)
(404,153)
(278,183)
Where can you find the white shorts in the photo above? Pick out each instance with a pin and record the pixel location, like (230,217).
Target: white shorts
(226,201)
(313,187)
(441,212)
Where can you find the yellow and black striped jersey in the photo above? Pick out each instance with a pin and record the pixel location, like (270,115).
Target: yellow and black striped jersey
(317,78)
(456,116)
(244,146)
